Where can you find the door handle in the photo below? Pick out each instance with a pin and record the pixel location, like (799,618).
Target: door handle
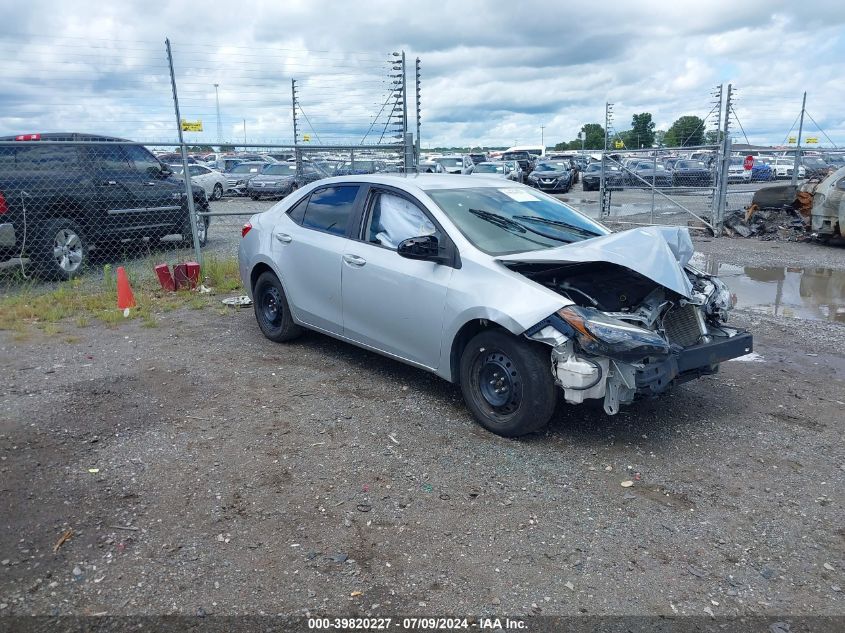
(109,183)
(354,260)
(284,238)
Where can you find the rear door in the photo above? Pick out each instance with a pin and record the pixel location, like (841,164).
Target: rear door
(308,244)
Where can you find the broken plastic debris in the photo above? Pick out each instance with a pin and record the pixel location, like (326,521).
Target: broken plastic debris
(125,313)
(355,594)
(93,471)
(243,300)
(627,483)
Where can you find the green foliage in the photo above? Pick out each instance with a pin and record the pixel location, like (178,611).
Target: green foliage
(642,131)
(592,135)
(685,132)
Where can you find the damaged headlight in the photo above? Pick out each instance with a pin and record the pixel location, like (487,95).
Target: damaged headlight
(602,335)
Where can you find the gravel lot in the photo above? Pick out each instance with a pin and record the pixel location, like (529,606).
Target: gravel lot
(204,469)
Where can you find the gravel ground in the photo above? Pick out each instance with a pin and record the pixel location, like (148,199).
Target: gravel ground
(204,469)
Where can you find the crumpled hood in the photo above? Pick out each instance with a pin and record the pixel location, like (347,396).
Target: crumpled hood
(656,252)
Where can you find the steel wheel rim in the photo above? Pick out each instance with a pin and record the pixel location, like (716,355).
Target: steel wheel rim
(499,382)
(271,306)
(67,250)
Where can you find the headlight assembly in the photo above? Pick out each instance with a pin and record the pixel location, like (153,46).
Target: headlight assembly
(602,335)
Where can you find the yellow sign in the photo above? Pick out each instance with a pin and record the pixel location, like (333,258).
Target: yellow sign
(792,139)
(191,126)
(306,137)
(813,139)
(618,144)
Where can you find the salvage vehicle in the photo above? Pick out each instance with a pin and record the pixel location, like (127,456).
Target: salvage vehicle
(501,288)
(276,180)
(690,173)
(828,214)
(497,168)
(613,177)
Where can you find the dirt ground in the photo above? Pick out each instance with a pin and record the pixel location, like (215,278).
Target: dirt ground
(204,469)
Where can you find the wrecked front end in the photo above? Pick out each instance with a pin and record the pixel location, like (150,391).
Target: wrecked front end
(638,322)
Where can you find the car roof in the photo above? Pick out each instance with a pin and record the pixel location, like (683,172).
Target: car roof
(411,182)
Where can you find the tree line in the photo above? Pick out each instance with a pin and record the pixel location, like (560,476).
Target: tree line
(686,131)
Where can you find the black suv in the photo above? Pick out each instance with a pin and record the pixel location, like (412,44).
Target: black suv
(56,200)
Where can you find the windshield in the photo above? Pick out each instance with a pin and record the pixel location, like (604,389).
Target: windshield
(650,166)
(814,162)
(246,169)
(736,161)
(279,170)
(487,168)
(451,162)
(556,166)
(515,156)
(690,164)
(506,220)
(176,169)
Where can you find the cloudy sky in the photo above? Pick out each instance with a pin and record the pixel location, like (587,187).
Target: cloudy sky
(493,73)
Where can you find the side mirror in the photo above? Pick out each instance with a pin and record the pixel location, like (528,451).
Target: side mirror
(424,247)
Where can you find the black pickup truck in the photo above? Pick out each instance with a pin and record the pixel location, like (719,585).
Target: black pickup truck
(57,199)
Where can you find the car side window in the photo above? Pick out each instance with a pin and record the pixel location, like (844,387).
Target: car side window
(195,170)
(144,162)
(109,157)
(392,219)
(329,209)
(46,157)
(297,211)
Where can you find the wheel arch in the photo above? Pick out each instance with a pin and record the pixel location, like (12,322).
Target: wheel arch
(462,337)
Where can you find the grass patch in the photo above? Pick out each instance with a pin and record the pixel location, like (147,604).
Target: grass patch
(86,299)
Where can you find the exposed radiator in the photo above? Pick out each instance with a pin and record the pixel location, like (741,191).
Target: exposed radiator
(683,325)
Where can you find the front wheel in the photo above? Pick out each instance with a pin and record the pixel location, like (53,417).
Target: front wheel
(272,310)
(217,193)
(507,383)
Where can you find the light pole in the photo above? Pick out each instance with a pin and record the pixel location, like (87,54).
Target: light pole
(542,138)
(219,126)
(581,138)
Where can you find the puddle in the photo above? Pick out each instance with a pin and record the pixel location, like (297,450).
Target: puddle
(816,294)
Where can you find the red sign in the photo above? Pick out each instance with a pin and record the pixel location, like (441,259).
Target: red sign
(748,163)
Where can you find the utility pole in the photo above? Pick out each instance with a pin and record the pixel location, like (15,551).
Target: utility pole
(604,194)
(797,162)
(296,153)
(405,162)
(189,193)
(418,111)
(219,125)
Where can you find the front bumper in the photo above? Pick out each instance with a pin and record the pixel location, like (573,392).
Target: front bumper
(270,190)
(553,184)
(691,362)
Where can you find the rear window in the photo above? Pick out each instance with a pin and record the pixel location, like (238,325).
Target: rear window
(329,209)
(38,158)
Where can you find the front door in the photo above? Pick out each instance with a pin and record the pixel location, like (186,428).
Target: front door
(392,303)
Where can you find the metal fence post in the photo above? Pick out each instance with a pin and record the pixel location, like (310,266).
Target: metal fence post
(720,195)
(604,209)
(189,193)
(409,151)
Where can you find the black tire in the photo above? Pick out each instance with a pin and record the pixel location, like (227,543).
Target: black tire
(188,237)
(507,383)
(61,251)
(217,192)
(272,311)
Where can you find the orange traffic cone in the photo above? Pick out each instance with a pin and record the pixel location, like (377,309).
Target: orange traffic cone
(125,298)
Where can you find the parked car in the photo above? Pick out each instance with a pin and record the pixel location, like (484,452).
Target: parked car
(430,167)
(479,158)
(762,171)
(505,290)
(174,157)
(241,174)
(212,181)
(646,170)
(548,175)
(783,168)
(690,173)
(279,179)
(59,200)
(456,164)
(359,166)
(614,179)
(574,164)
(515,170)
(737,171)
(224,165)
(526,161)
(497,168)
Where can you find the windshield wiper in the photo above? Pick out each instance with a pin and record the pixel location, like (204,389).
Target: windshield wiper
(571,227)
(512,225)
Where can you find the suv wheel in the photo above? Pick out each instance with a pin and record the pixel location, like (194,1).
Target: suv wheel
(272,311)
(202,231)
(61,252)
(507,383)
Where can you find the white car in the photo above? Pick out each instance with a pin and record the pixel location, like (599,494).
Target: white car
(783,168)
(737,171)
(212,182)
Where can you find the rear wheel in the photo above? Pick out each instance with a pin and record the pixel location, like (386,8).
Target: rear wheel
(61,252)
(507,383)
(272,310)
(217,193)
(202,231)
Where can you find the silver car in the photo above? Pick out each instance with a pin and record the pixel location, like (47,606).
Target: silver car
(493,285)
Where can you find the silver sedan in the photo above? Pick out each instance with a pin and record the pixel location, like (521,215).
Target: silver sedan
(493,285)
